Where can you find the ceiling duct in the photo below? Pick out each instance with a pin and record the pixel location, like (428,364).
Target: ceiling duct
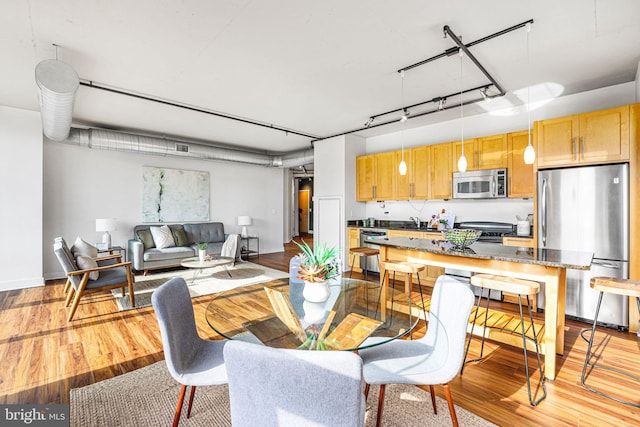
(118,141)
(58,83)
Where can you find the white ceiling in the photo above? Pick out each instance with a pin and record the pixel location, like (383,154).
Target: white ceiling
(317,67)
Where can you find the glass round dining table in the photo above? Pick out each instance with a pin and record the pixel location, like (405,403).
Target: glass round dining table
(357,315)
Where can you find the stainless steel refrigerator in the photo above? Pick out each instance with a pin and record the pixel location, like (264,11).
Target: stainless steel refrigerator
(587,209)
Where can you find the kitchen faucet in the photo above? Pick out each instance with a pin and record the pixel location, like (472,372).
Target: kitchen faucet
(416,220)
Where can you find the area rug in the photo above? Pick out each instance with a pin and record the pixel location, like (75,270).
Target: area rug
(148,396)
(208,281)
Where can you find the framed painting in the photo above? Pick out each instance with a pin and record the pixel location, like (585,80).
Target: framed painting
(174,195)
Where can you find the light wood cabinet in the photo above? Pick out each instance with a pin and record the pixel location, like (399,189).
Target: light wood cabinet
(365,174)
(469,153)
(353,237)
(375,177)
(595,137)
(488,152)
(522,242)
(420,173)
(441,186)
(522,178)
(415,184)
(386,172)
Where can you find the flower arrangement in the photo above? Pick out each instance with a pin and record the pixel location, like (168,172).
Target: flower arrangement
(318,265)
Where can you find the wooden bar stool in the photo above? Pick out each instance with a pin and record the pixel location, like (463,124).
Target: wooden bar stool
(360,252)
(521,288)
(409,269)
(630,288)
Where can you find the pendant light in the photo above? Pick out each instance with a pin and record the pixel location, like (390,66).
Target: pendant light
(403,165)
(462,161)
(529,152)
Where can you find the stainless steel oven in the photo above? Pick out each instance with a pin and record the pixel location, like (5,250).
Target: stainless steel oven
(370,263)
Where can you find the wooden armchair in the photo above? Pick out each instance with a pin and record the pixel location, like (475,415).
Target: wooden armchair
(108,273)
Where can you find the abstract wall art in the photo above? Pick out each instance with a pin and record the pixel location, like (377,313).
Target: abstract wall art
(174,195)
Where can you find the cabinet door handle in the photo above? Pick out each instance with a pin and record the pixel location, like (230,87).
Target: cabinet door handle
(574,149)
(582,149)
(374,191)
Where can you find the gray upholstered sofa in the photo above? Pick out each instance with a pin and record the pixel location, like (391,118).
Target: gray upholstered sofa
(145,256)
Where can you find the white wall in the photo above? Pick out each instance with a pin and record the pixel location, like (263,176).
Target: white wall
(82,184)
(20,199)
(484,125)
(335,189)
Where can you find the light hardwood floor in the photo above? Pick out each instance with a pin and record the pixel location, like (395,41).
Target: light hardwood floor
(42,357)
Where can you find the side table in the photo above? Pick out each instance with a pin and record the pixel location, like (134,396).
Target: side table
(121,251)
(246,251)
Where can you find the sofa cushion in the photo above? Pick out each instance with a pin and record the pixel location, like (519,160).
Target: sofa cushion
(162,237)
(80,247)
(180,237)
(145,236)
(85,263)
(211,232)
(176,252)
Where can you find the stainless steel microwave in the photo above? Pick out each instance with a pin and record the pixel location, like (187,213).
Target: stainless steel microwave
(484,184)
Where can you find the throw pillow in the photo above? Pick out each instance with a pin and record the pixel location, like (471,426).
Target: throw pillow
(144,235)
(180,237)
(86,263)
(80,247)
(162,237)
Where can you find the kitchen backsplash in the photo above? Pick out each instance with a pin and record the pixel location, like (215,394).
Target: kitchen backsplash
(465,210)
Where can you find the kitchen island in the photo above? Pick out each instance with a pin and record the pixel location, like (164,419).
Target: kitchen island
(547,266)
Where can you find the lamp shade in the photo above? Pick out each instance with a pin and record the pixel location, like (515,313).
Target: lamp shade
(105,224)
(244,220)
(58,83)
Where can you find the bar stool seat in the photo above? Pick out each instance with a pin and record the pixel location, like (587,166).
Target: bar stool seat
(521,288)
(409,269)
(360,252)
(630,288)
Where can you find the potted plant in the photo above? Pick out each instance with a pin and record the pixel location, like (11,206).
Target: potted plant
(442,224)
(202,250)
(317,267)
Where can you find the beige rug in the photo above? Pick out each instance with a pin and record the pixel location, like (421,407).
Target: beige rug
(208,281)
(148,396)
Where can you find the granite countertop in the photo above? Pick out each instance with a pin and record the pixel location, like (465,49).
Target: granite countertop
(549,257)
(410,226)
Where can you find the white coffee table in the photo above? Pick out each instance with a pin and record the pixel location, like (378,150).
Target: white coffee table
(211,262)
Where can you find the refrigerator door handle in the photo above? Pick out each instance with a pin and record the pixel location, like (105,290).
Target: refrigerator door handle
(604,263)
(543,216)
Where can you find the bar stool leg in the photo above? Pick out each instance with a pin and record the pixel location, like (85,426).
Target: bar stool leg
(526,359)
(353,261)
(473,325)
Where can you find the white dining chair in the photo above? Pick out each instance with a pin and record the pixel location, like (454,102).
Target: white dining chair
(433,359)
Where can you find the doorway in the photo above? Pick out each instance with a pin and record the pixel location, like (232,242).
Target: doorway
(303,211)
(305,206)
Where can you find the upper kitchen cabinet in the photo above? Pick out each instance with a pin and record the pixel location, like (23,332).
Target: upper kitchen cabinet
(365,175)
(488,152)
(376,177)
(598,136)
(440,159)
(415,184)
(522,179)
(385,177)
(469,153)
